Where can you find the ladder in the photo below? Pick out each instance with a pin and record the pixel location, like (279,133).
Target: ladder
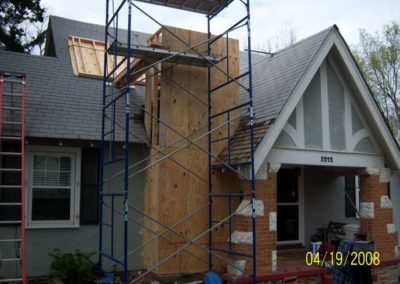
(12,205)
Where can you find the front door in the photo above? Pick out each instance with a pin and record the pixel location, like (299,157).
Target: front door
(288,209)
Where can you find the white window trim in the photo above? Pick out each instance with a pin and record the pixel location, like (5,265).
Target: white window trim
(75,192)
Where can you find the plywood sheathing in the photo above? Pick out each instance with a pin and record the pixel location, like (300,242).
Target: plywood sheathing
(183,112)
(171,192)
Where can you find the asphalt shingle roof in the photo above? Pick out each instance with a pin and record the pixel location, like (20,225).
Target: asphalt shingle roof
(275,77)
(60,104)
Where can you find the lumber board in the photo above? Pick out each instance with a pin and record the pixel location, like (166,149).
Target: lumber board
(73,55)
(155,124)
(150,84)
(155,39)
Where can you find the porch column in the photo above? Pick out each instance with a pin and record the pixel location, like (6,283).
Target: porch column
(265,225)
(377,215)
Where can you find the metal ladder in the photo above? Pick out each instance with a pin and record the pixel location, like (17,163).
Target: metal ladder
(12,205)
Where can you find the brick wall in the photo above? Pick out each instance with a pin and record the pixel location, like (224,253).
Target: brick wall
(376,226)
(265,238)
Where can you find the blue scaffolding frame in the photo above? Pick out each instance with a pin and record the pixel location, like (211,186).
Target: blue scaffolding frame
(117,99)
(230,164)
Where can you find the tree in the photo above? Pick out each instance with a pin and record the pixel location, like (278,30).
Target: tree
(284,38)
(19,22)
(378,56)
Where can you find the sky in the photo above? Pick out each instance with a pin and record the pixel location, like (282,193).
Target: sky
(270,19)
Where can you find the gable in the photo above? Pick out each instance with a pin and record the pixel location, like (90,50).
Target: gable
(365,135)
(327,117)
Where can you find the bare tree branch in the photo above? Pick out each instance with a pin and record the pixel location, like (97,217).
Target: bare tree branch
(379,58)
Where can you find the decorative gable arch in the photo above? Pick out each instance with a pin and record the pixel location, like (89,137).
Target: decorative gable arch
(330,119)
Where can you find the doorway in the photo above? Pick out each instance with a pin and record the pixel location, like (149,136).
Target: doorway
(289,198)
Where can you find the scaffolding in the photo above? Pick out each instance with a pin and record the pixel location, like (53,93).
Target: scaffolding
(154,62)
(12,196)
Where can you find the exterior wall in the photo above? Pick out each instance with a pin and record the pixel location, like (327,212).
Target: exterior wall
(85,238)
(266,227)
(395,197)
(323,193)
(377,217)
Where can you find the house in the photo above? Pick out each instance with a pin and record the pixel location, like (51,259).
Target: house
(63,117)
(322,147)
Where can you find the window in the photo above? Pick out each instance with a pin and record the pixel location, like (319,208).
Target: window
(351,196)
(53,190)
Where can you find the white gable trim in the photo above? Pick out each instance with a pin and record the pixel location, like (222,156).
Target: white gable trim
(332,39)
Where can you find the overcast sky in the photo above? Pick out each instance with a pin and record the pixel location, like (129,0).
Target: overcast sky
(269,18)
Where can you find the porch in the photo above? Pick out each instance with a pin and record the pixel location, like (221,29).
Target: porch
(308,203)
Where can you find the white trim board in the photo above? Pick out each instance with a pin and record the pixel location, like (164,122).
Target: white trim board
(335,159)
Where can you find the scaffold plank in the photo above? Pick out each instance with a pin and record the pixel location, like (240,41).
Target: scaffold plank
(207,7)
(154,54)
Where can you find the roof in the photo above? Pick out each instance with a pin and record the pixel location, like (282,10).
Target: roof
(58,103)
(275,77)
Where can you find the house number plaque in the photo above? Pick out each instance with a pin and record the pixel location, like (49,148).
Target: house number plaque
(326,159)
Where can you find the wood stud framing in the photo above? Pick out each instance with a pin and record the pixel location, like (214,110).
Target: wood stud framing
(87,58)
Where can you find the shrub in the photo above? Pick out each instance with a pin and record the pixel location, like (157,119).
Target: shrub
(72,268)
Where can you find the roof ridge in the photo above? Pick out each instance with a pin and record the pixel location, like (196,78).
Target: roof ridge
(326,30)
(302,41)
(73,20)
(17,53)
(92,24)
